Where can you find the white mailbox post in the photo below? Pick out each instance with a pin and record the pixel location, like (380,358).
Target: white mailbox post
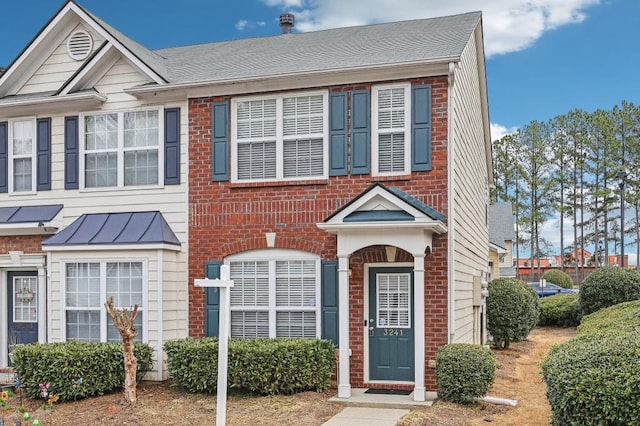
(224,284)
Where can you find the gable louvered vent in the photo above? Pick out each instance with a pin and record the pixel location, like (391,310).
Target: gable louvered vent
(79,45)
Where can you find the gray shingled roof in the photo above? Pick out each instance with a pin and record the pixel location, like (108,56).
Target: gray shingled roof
(352,47)
(500,223)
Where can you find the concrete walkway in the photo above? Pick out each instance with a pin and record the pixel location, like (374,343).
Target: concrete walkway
(354,416)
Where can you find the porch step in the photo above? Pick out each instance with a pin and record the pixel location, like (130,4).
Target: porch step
(361,399)
(6,376)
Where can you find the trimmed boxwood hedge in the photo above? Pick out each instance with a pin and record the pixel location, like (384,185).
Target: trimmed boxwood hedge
(558,277)
(608,286)
(513,310)
(62,365)
(593,379)
(464,372)
(560,310)
(262,366)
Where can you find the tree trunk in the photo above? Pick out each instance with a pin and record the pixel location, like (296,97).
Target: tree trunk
(123,320)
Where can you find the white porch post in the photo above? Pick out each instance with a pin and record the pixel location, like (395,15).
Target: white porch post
(418,306)
(344,385)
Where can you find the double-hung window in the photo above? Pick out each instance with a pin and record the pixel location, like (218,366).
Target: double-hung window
(88,285)
(280,137)
(122,149)
(391,122)
(22,152)
(275,295)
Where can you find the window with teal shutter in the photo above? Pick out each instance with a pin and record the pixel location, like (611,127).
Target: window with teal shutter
(421,128)
(360,132)
(220,141)
(338,134)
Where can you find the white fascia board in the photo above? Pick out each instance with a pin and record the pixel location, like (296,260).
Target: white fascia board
(497,249)
(433,226)
(292,81)
(111,247)
(51,104)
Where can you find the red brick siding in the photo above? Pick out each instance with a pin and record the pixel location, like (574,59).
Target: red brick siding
(28,244)
(227,218)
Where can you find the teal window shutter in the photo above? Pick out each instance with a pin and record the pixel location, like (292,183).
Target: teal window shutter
(220,141)
(4,157)
(172,146)
(360,132)
(338,134)
(329,311)
(212,300)
(421,128)
(43,146)
(71,152)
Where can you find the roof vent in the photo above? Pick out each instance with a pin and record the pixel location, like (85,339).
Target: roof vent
(79,45)
(287,20)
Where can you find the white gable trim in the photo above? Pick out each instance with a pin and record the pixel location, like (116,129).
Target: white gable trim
(385,198)
(49,104)
(89,75)
(50,37)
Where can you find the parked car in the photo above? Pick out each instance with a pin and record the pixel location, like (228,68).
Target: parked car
(550,289)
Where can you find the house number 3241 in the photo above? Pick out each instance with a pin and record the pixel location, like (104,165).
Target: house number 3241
(392,332)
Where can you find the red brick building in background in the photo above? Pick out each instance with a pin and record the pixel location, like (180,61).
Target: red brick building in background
(343,175)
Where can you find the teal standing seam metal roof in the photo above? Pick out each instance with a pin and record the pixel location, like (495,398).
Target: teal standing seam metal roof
(116,229)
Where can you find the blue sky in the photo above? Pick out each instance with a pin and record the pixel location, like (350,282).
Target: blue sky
(544,57)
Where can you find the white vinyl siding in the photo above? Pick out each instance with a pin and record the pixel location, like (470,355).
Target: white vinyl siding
(88,285)
(275,297)
(279,137)
(391,119)
(22,154)
(121,149)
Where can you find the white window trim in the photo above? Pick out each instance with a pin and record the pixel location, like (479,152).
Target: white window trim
(280,136)
(274,255)
(375,133)
(34,158)
(36,297)
(120,151)
(103,295)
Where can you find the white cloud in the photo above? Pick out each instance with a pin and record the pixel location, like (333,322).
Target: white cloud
(509,25)
(241,24)
(498,131)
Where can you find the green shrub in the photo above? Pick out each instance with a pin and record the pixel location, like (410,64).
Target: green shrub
(264,366)
(100,366)
(464,372)
(560,310)
(513,310)
(593,380)
(608,286)
(558,277)
(621,318)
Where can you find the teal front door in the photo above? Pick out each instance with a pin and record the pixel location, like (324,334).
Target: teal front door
(391,354)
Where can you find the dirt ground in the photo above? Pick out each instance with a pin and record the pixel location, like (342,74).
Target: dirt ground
(518,377)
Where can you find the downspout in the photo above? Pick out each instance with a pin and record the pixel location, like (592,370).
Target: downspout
(450,198)
(49,291)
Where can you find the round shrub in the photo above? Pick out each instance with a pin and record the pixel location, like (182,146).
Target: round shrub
(513,310)
(558,277)
(593,380)
(608,286)
(560,310)
(464,372)
(620,318)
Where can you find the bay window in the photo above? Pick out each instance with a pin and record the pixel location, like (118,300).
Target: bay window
(280,137)
(88,285)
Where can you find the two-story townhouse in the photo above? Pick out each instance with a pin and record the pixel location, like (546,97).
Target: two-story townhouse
(343,176)
(93,192)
